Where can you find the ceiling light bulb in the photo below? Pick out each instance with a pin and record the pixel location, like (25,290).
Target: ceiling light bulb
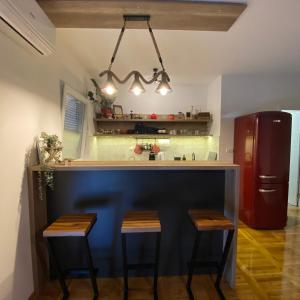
(137,91)
(164,88)
(137,87)
(163,91)
(109,88)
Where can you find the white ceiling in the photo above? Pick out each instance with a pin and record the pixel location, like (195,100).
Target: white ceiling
(265,39)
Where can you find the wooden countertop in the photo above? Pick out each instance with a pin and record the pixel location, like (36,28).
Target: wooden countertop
(141,165)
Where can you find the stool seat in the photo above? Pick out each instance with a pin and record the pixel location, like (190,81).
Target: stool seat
(71,225)
(141,221)
(205,220)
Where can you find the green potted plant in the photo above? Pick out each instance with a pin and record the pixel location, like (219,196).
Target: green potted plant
(49,152)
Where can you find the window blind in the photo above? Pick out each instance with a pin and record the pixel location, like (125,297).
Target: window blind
(74,114)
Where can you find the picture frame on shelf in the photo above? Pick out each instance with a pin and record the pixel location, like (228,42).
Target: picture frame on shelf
(118,111)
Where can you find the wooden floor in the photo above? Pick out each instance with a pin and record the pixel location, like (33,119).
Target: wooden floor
(268,268)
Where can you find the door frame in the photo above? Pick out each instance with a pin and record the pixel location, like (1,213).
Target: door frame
(298,179)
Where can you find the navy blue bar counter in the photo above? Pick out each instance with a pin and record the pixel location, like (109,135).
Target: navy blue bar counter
(112,188)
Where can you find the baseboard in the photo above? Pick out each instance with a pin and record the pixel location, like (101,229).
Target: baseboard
(33,296)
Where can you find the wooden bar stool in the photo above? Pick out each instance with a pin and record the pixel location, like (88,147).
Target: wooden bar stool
(77,226)
(141,222)
(209,220)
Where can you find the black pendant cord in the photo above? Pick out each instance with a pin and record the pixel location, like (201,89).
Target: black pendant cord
(120,39)
(117,45)
(155,77)
(155,45)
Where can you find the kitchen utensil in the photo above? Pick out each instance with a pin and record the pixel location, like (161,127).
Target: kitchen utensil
(151,156)
(138,149)
(180,116)
(162,131)
(161,156)
(155,149)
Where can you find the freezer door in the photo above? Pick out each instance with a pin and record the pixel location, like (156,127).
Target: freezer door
(273,147)
(270,209)
(244,131)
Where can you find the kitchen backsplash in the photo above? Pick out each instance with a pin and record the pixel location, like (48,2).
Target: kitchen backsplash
(122,148)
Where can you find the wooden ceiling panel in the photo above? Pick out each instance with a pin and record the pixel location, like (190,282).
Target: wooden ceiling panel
(165,14)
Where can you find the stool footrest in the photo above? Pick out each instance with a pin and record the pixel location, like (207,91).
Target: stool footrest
(140,266)
(79,273)
(205,264)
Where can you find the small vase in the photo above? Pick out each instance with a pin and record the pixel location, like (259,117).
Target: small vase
(54,154)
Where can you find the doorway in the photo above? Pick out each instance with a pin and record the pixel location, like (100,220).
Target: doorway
(294,183)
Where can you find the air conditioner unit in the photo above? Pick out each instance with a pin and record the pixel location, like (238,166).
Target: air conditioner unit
(28,20)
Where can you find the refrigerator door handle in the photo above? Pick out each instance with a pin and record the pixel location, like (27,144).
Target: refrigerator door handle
(267,176)
(267,191)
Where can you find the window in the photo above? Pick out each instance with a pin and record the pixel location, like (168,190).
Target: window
(74,123)
(74,115)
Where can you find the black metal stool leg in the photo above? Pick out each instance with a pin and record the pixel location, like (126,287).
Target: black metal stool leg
(156,266)
(125,266)
(58,269)
(223,262)
(192,265)
(91,268)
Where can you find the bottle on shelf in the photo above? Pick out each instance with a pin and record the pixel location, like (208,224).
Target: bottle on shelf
(192,112)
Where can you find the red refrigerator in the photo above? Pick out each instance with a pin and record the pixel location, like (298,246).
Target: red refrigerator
(262,149)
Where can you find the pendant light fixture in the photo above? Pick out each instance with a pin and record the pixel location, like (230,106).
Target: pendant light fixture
(137,87)
(163,87)
(160,76)
(109,87)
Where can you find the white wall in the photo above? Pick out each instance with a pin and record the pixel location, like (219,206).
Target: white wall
(248,93)
(242,94)
(181,99)
(29,104)
(214,99)
(226,140)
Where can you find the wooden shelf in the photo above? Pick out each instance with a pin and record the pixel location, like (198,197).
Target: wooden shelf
(115,127)
(150,136)
(204,120)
